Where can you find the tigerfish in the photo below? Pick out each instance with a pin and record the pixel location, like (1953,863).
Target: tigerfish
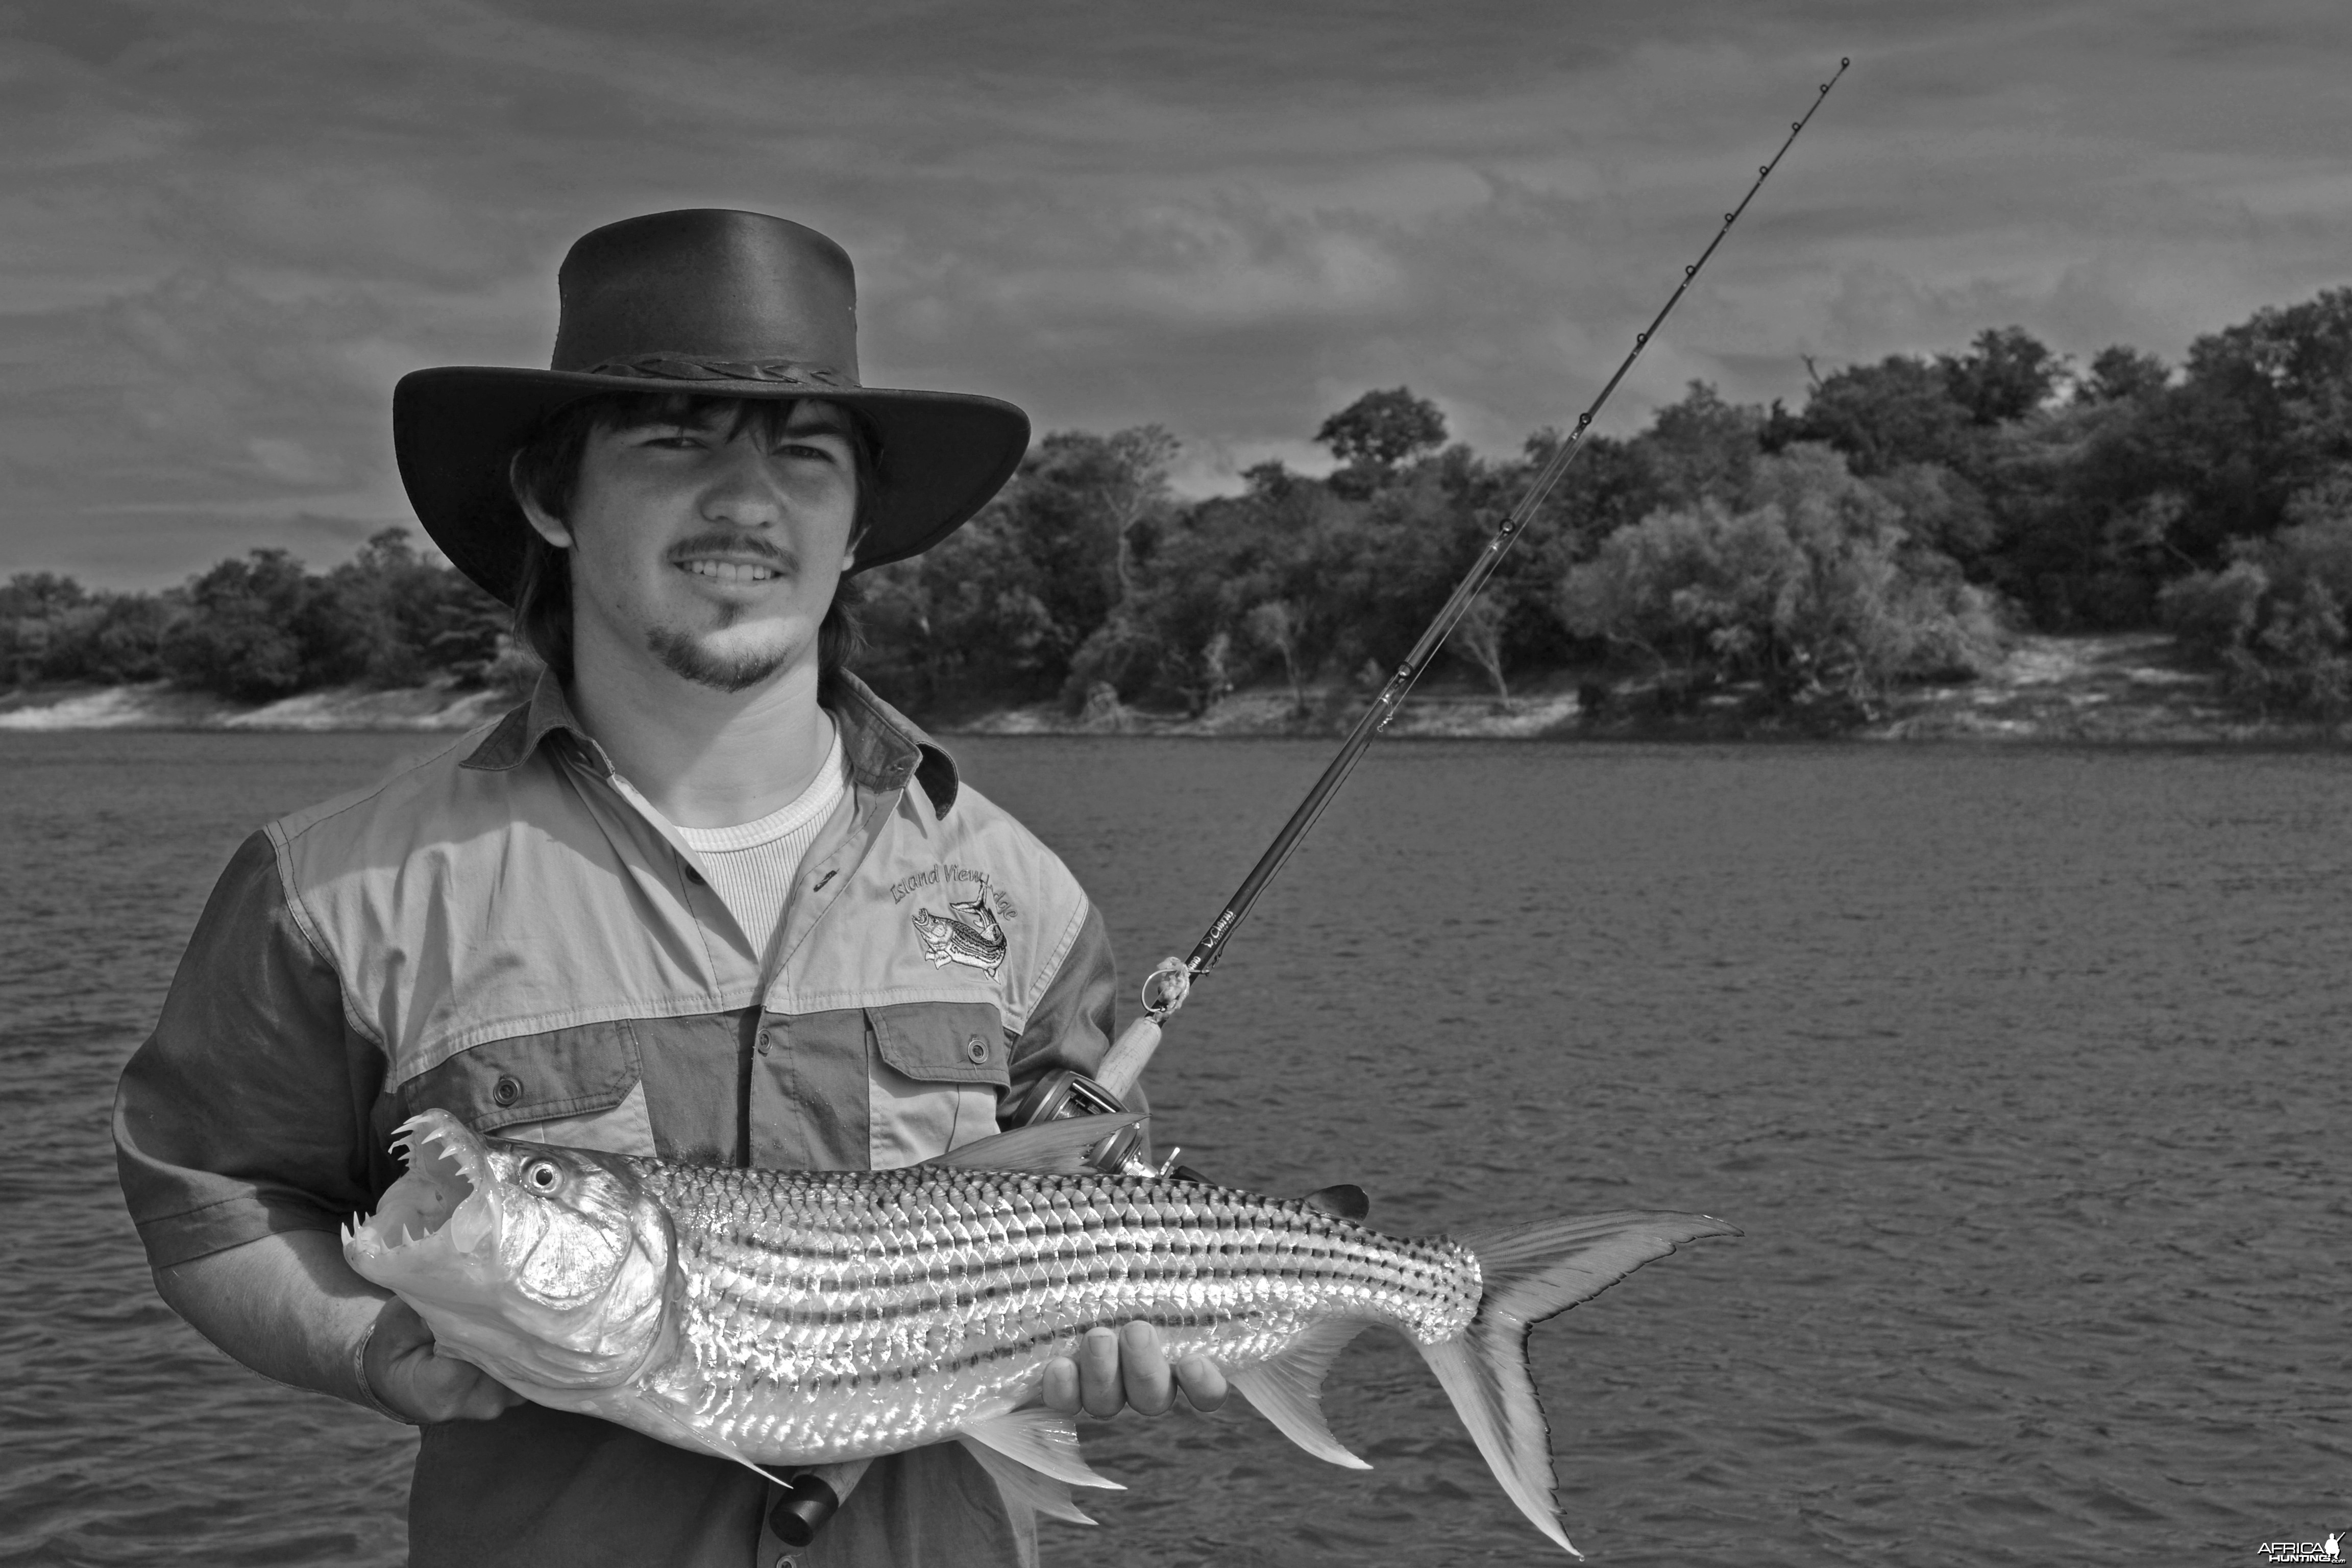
(802,1317)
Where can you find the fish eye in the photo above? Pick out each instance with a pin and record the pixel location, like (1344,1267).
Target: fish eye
(542,1176)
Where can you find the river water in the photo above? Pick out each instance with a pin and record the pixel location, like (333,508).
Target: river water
(2022,1071)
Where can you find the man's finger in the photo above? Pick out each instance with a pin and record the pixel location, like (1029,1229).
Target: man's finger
(1143,1369)
(1061,1390)
(1098,1384)
(1203,1381)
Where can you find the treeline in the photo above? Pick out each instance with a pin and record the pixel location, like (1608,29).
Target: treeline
(1888,531)
(263,628)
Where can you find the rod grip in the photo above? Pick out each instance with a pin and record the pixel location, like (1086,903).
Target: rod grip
(811,1497)
(1128,1054)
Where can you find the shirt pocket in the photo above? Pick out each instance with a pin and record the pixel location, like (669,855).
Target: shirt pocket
(582,1086)
(937,1070)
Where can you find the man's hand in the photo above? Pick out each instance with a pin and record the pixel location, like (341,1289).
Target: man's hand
(416,1379)
(1113,1370)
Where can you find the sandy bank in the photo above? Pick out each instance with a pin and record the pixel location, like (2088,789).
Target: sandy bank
(156,705)
(2131,688)
(2124,688)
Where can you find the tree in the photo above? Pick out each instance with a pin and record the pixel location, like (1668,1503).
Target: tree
(1276,624)
(1881,416)
(2007,375)
(1701,447)
(1478,637)
(1382,429)
(242,635)
(2119,374)
(1134,485)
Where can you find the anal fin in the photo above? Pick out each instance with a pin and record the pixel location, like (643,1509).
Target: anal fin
(1288,1390)
(1024,1487)
(1043,1440)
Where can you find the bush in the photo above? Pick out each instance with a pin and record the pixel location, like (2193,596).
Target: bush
(1812,591)
(2275,618)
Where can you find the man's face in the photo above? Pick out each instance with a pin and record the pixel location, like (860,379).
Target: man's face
(711,545)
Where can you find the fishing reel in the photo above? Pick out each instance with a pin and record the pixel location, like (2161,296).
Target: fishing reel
(1125,1153)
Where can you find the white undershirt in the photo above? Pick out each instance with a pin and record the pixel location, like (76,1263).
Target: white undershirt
(753,864)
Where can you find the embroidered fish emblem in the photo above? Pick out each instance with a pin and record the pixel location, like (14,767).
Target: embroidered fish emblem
(968,935)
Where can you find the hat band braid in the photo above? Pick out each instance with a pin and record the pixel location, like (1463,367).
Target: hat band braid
(684,367)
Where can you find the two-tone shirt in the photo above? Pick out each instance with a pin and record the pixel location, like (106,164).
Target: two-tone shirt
(498,931)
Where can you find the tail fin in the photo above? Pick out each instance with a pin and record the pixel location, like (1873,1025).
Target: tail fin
(1529,1274)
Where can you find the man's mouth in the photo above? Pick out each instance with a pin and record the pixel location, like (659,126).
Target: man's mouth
(729,571)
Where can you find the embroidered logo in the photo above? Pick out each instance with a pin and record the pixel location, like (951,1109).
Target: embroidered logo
(968,935)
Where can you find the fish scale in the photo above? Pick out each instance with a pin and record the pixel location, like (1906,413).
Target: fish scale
(828,1313)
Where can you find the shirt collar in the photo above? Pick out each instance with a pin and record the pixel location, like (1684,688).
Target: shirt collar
(884,748)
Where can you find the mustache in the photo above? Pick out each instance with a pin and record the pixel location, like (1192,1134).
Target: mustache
(727,544)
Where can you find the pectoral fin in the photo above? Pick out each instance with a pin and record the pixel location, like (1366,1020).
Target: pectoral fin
(1288,1390)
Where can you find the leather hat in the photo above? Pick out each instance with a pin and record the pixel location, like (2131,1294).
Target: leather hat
(714,303)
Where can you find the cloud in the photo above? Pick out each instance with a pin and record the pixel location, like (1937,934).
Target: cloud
(226,230)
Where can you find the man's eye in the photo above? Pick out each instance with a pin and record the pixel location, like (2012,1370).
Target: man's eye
(804,450)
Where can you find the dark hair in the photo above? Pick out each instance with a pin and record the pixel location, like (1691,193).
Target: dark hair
(545,467)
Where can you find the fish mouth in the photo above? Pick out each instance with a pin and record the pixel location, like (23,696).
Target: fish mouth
(443,1205)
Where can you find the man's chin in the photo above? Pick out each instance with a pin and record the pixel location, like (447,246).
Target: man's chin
(720,668)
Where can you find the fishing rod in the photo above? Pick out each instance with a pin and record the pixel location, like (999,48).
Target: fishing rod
(1165,989)
(812,1494)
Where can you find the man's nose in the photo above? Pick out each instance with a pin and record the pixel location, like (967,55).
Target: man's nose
(744,488)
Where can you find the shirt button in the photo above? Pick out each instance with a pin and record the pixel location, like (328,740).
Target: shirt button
(976,1049)
(692,875)
(762,1046)
(507,1089)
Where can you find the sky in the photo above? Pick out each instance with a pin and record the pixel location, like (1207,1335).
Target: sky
(226,229)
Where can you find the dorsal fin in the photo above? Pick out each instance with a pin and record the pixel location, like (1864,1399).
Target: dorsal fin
(1344,1200)
(1048,1148)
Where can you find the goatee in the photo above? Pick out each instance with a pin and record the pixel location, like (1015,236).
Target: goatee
(682,655)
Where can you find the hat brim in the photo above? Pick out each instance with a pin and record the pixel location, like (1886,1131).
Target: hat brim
(454,429)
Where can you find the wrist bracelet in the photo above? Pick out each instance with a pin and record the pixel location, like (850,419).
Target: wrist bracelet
(368,1395)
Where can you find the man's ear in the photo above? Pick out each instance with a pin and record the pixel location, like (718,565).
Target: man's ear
(548,526)
(849,556)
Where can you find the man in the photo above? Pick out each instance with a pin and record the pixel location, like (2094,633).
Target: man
(677,904)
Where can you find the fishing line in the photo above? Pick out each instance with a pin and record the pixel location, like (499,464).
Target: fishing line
(1165,990)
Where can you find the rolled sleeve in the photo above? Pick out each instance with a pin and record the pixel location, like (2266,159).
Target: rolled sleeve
(248,1112)
(1070,1026)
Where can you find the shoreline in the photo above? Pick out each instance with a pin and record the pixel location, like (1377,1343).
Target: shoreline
(2122,689)
(156,705)
(2105,688)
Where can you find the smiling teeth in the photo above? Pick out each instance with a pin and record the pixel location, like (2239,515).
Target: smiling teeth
(730,570)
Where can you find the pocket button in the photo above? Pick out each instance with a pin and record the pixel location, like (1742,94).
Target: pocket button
(976,1049)
(507,1089)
